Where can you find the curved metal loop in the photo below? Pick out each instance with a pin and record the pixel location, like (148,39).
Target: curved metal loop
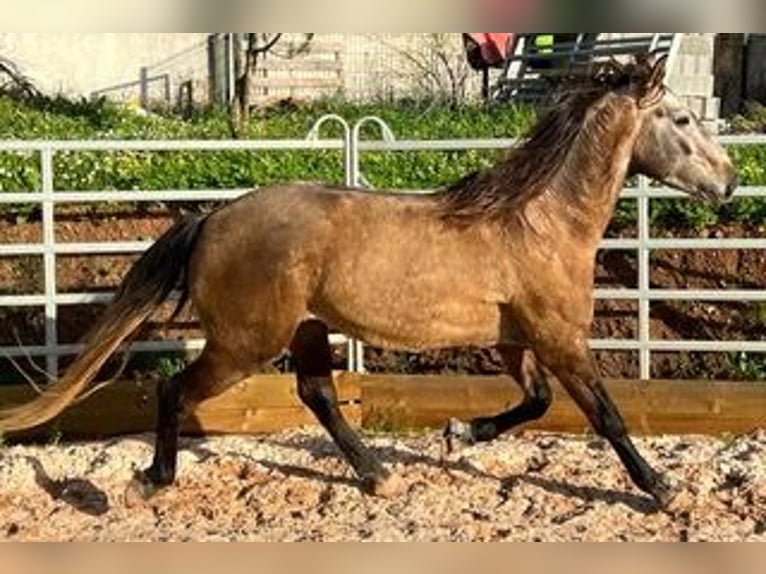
(313,133)
(357,178)
(355,350)
(385,131)
(348,144)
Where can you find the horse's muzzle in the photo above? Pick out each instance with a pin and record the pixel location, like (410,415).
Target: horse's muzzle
(731,187)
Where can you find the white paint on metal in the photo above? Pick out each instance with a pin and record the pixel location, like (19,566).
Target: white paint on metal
(352,147)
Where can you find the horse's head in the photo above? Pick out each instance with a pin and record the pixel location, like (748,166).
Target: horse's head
(673,146)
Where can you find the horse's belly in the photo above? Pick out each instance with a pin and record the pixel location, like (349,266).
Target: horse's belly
(396,289)
(416,327)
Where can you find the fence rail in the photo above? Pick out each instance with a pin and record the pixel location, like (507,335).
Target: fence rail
(352,146)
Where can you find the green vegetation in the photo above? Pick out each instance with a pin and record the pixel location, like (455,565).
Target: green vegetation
(169,365)
(57,118)
(55,435)
(750,366)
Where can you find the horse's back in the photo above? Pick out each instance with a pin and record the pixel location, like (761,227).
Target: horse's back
(265,225)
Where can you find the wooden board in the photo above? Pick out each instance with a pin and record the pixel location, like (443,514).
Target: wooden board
(318,45)
(259,404)
(254,420)
(656,407)
(269,403)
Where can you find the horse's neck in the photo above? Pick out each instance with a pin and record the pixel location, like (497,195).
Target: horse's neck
(590,181)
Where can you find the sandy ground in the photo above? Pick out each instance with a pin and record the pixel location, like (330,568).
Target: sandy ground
(293,486)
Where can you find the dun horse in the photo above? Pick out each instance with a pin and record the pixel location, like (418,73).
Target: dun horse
(504,257)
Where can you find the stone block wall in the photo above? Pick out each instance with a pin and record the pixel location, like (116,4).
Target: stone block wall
(691,75)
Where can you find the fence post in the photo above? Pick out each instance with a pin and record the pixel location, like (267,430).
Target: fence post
(49,261)
(357,180)
(218,73)
(232,47)
(168,96)
(352,346)
(387,134)
(143,81)
(644,291)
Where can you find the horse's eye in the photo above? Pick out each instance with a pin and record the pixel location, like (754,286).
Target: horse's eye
(682,121)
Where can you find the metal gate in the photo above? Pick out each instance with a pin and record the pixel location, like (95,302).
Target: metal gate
(351,146)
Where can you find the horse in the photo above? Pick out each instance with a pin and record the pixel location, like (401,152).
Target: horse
(504,257)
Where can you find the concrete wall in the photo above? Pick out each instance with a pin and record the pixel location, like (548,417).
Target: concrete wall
(691,75)
(78,64)
(375,65)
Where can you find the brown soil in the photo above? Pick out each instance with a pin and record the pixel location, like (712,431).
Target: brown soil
(614,319)
(293,487)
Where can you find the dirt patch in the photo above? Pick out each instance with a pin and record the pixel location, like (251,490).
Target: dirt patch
(293,486)
(708,269)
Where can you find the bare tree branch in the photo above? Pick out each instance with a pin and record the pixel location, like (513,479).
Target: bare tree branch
(448,83)
(256,48)
(18,81)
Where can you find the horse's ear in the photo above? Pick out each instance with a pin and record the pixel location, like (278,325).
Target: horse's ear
(658,69)
(643,60)
(651,69)
(650,77)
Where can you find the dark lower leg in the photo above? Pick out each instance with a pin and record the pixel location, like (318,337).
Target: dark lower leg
(207,376)
(162,471)
(583,384)
(313,360)
(523,367)
(609,424)
(532,407)
(319,395)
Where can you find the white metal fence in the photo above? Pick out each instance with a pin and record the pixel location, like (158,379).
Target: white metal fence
(49,248)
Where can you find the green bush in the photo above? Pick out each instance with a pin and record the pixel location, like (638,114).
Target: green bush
(89,170)
(58,118)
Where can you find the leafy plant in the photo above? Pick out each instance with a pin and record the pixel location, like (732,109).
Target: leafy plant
(751,120)
(39,118)
(55,435)
(169,366)
(751,366)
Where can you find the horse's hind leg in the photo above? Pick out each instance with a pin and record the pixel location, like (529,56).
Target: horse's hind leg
(313,360)
(209,375)
(162,471)
(522,365)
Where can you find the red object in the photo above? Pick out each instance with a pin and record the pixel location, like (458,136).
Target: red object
(489,48)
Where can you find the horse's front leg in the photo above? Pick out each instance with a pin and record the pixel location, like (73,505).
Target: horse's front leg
(524,369)
(575,367)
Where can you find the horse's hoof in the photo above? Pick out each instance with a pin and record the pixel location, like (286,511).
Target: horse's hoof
(673,499)
(678,502)
(141,489)
(388,486)
(457,432)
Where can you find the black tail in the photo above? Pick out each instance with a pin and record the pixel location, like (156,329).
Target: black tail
(161,269)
